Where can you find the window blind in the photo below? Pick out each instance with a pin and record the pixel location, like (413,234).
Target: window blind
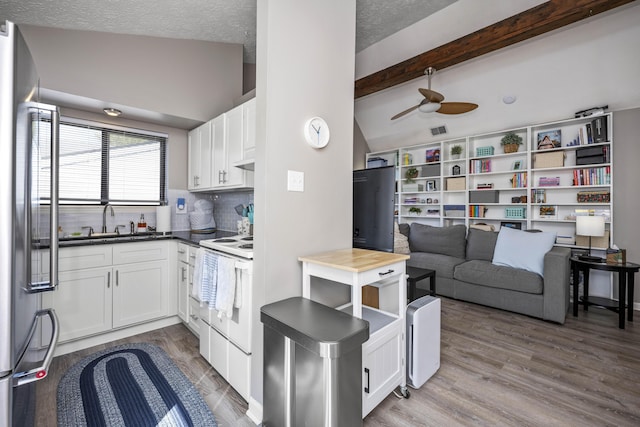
(102,164)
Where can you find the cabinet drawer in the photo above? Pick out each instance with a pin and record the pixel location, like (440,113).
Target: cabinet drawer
(183,253)
(381,273)
(194,315)
(79,258)
(239,372)
(126,253)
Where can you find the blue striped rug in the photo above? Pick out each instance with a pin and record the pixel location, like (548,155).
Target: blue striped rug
(130,385)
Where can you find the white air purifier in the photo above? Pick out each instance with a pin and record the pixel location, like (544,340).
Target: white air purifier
(423,340)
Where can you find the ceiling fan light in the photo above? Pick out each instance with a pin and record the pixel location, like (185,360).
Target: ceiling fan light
(430,107)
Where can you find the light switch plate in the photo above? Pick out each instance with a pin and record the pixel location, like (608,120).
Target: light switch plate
(295,181)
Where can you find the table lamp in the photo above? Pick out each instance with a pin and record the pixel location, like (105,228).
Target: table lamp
(590,226)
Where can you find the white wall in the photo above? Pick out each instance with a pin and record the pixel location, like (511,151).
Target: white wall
(184,78)
(305,68)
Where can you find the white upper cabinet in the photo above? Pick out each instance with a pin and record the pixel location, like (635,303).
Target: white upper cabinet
(230,137)
(199,168)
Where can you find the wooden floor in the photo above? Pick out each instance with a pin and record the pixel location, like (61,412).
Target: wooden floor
(497,369)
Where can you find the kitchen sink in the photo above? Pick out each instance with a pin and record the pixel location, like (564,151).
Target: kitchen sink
(108,237)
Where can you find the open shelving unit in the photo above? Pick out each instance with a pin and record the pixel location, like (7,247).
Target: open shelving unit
(538,187)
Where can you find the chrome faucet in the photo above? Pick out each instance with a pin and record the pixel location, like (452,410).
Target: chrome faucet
(104,216)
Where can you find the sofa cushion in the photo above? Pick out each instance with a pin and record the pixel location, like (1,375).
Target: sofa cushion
(438,240)
(519,249)
(442,264)
(480,244)
(404,228)
(496,276)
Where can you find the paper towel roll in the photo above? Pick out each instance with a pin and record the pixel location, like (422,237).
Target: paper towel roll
(163,219)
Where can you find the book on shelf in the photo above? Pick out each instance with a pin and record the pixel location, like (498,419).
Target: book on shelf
(480,166)
(546,181)
(592,176)
(519,180)
(477,211)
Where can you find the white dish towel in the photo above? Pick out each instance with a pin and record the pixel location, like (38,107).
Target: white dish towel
(226,286)
(205,277)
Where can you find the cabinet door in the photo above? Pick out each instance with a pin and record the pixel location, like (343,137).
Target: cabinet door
(234,176)
(199,147)
(249,129)
(82,302)
(218,153)
(382,366)
(141,292)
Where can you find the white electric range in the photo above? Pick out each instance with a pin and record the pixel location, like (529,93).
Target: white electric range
(240,246)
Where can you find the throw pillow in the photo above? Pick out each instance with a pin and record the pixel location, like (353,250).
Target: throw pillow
(519,249)
(400,241)
(481,244)
(438,240)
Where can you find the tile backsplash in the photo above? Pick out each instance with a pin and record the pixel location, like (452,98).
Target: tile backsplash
(73,218)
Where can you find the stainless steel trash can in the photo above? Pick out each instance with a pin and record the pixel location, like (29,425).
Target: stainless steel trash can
(312,365)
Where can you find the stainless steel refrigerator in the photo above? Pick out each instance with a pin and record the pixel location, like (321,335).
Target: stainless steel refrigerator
(28,222)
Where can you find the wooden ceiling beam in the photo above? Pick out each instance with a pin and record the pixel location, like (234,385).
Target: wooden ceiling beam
(538,20)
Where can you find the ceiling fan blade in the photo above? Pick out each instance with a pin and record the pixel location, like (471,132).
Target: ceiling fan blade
(407,111)
(456,107)
(431,95)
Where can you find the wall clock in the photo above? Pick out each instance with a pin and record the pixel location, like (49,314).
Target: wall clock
(316,132)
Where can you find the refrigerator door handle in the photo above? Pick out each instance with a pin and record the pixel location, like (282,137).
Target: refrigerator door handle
(39,372)
(52,283)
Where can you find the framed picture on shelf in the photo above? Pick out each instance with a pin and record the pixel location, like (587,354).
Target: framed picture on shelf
(431,185)
(548,211)
(539,195)
(549,139)
(517,165)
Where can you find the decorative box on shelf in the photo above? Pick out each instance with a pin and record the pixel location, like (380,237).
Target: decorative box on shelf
(457,183)
(456,211)
(593,197)
(413,187)
(376,162)
(484,196)
(554,159)
(484,151)
(515,213)
(431,170)
(565,240)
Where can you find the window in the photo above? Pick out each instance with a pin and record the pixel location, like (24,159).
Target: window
(102,164)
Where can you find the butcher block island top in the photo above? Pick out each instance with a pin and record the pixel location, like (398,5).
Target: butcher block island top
(354,260)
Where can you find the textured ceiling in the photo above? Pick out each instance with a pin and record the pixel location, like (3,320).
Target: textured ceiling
(228,21)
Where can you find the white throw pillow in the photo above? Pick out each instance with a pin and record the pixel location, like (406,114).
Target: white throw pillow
(400,241)
(521,249)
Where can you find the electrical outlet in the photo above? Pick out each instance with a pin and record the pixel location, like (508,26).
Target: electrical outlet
(295,181)
(181,206)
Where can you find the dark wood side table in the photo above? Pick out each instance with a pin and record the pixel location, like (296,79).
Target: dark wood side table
(414,275)
(625,270)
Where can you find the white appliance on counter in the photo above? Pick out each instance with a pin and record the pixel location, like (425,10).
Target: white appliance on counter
(225,342)
(28,148)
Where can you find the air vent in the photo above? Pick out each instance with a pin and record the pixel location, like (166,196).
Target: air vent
(440,130)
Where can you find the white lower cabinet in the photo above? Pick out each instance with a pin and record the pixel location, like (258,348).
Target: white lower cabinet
(141,293)
(104,287)
(82,302)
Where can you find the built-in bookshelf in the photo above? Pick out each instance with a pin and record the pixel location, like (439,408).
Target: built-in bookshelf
(561,170)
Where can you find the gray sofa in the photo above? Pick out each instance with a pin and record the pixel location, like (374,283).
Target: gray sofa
(464,271)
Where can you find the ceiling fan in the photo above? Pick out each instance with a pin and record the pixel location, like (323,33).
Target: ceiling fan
(432,101)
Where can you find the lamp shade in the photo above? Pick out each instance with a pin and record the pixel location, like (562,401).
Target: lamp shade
(590,226)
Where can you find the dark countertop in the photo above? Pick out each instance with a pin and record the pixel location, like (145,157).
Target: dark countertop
(185,236)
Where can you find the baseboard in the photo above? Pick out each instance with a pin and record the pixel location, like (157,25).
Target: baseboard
(81,344)
(255,411)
